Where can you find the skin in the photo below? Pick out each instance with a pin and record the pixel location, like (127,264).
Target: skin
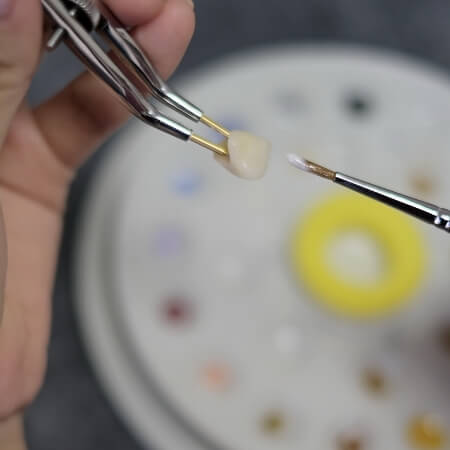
(41,150)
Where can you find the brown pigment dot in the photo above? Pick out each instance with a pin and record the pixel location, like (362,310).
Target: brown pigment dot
(444,338)
(351,441)
(422,184)
(273,423)
(374,381)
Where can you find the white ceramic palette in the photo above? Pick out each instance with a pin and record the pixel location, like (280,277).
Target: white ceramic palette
(197,321)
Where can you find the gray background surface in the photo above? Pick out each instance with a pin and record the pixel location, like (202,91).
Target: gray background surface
(72,412)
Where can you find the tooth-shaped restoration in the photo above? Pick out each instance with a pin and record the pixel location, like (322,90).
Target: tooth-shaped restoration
(248,155)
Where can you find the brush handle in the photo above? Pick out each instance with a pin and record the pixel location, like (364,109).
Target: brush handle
(424,211)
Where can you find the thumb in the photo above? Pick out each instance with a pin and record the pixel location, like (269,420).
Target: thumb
(20,43)
(3,262)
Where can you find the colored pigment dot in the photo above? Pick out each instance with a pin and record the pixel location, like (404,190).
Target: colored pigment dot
(358,105)
(177,310)
(216,377)
(169,242)
(374,381)
(356,257)
(290,102)
(187,182)
(426,433)
(230,123)
(422,184)
(273,423)
(444,338)
(234,123)
(350,443)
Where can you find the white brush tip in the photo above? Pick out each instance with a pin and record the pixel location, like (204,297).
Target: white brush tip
(298,162)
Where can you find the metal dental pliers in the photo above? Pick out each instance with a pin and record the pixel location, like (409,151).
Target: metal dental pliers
(130,75)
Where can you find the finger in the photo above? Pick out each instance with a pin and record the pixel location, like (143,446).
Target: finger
(3,260)
(78,119)
(20,35)
(136,12)
(20,38)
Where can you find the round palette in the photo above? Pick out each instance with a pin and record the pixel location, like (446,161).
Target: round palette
(283,313)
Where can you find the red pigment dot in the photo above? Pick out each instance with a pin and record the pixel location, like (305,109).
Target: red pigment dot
(177,310)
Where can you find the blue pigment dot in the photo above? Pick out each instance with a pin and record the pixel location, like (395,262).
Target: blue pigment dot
(234,123)
(187,182)
(231,123)
(290,103)
(169,242)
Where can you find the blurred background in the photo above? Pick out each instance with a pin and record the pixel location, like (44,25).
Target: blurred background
(72,411)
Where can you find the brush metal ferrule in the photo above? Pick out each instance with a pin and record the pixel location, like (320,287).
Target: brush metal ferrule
(442,219)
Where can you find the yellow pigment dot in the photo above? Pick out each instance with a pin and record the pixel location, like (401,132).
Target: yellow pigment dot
(402,249)
(426,433)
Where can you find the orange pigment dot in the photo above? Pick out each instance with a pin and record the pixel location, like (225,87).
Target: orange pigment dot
(216,377)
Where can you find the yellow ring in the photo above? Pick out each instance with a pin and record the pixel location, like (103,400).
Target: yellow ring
(401,243)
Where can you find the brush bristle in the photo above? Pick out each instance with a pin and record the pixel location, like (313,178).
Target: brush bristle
(298,162)
(310,167)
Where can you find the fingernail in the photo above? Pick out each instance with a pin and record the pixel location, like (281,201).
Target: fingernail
(5,8)
(189,2)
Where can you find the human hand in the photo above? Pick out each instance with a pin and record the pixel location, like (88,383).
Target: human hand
(40,151)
